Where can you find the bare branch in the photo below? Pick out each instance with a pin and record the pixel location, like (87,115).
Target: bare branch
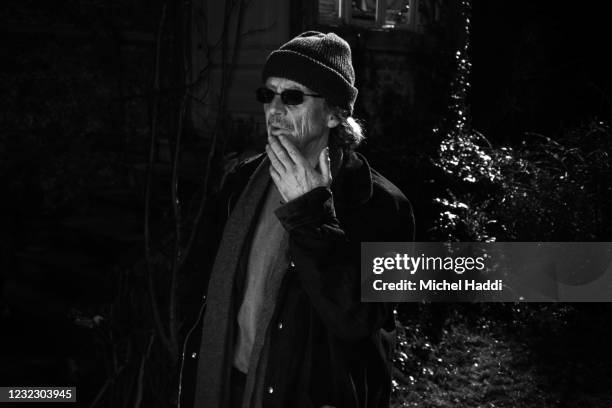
(225,81)
(138,398)
(178,255)
(110,380)
(152,151)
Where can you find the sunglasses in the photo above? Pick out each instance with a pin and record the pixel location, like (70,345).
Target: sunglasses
(288,96)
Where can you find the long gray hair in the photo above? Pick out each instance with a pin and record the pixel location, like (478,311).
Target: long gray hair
(349,133)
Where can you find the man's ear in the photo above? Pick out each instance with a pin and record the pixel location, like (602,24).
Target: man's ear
(332,120)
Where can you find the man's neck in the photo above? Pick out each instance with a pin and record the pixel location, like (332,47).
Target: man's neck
(313,150)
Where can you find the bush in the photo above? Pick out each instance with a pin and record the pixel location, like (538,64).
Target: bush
(541,190)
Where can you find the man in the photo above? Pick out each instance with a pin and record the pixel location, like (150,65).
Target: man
(284,325)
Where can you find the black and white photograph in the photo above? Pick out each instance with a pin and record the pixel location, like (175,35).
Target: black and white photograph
(305,203)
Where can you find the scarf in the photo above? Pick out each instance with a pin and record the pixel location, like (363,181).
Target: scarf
(216,347)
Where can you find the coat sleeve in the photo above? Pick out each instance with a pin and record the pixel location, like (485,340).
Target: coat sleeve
(327,260)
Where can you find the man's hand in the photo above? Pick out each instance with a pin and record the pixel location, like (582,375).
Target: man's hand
(290,170)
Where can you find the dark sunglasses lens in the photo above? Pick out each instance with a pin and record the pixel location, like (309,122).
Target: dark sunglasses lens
(292,97)
(264,95)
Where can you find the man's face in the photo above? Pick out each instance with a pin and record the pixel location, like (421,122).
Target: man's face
(304,124)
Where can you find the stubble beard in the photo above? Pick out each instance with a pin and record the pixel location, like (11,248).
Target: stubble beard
(295,129)
(300,132)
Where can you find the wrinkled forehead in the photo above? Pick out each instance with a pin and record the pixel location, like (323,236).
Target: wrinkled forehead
(280,84)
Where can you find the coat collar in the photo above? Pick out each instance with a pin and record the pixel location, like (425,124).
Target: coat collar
(352,181)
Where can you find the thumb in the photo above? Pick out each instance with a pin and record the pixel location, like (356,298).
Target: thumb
(324,165)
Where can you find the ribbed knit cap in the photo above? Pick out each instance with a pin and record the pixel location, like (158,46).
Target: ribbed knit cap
(322,62)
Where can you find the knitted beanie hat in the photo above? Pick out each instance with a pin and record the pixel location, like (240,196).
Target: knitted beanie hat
(322,62)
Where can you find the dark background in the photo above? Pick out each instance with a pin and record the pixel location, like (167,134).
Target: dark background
(540,67)
(531,162)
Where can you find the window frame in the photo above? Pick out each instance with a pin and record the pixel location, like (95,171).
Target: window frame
(345,16)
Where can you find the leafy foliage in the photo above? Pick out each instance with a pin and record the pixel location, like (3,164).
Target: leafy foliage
(544,189)
(497,355)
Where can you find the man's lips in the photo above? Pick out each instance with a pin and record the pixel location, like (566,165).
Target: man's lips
(278,129)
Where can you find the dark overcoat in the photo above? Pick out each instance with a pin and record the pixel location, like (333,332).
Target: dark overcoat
(326,347)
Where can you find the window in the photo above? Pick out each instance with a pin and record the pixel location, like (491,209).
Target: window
(387,14)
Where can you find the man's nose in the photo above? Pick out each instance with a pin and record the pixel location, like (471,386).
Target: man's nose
(276,104)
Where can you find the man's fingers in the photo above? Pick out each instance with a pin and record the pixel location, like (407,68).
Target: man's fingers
(324,165)
(280,151)
(277,164)
(294,153)
(276,178)
(275,175)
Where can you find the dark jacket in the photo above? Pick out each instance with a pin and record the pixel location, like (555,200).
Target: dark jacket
(327,347)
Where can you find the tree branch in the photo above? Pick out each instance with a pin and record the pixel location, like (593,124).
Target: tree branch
(152,150)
